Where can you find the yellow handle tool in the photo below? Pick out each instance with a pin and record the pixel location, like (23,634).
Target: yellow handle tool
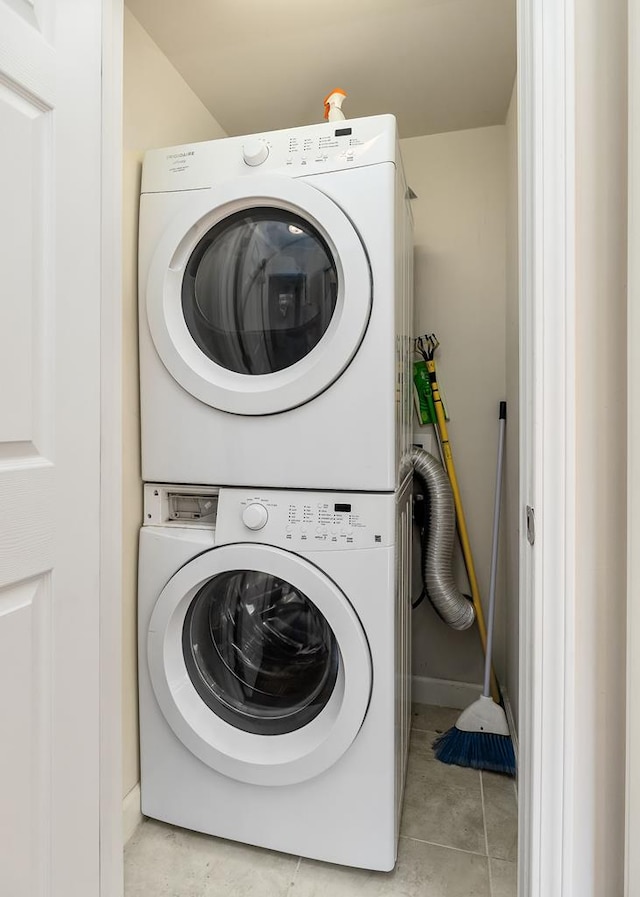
(462,525)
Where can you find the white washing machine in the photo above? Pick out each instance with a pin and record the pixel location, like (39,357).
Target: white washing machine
(274,667)
(275,292)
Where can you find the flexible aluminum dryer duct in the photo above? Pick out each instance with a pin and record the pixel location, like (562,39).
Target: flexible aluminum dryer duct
(450,604)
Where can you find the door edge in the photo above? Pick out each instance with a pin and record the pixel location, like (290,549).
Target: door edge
(110,585)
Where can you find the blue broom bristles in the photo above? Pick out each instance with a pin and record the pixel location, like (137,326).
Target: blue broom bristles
(479,750)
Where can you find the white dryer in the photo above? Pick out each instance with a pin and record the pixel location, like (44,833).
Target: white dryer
(274,667)
(276,309)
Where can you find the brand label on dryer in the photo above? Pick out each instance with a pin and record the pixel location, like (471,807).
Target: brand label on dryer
(180,161)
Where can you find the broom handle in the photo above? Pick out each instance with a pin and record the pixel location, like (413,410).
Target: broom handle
(462,524)
(494,549)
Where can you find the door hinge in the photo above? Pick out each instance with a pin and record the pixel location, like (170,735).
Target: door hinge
(531,525)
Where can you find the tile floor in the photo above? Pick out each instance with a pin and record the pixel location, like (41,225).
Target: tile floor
(458,839)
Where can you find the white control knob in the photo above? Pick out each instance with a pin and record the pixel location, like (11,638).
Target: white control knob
(255,516)
(255,151)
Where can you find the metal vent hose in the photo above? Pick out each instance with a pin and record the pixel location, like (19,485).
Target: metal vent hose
(437,550)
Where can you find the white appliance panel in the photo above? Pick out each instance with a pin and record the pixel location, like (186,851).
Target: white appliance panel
(351,435)
(329,815)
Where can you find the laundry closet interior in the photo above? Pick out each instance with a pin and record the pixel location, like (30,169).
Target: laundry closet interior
(446,71)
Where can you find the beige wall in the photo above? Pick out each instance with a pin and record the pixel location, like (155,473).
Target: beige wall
(460,294)
(159,110)
(512,514)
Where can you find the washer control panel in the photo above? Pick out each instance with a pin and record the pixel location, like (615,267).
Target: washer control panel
(306,521)
(255,515)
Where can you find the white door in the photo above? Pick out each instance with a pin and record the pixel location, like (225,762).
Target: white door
(259,664)
(258,294)
(49,446)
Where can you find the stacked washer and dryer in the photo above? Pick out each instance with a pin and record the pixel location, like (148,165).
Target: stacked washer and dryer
(274,606)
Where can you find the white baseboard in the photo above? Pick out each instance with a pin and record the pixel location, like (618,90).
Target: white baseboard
(444,692)
(131,814)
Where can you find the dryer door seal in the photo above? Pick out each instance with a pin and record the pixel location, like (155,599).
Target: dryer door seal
(259,664)
(258,295)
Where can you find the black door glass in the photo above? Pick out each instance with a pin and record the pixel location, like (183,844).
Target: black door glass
(259,291)
(259,653)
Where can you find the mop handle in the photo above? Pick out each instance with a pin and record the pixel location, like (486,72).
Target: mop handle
(462,523)
(486,691)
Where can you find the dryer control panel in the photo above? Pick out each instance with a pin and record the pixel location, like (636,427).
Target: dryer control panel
(305,521)
(295,152)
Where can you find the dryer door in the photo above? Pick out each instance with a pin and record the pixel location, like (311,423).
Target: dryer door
(258,295)
(259,664)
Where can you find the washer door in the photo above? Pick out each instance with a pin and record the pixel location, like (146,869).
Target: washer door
(259,664)
(258,295)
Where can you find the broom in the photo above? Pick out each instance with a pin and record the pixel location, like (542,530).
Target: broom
(480,738)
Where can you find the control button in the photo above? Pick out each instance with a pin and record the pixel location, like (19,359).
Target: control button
(321,529)
(303,529)
(254,516)
(255,151)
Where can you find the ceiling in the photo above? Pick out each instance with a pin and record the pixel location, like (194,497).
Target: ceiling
(260,65)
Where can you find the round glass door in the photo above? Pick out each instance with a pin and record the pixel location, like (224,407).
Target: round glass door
(259,291)
(258,295)
(259,664)
(259,652)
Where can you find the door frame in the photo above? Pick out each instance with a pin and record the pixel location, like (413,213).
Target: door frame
(546,163)
(632,857)
(111,409)
(546,130)
(567,844)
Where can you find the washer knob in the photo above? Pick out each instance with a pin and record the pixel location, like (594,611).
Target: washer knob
(255,151)
(254,516)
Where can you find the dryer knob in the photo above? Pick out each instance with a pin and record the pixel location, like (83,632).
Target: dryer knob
(255,516)
(255,152)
